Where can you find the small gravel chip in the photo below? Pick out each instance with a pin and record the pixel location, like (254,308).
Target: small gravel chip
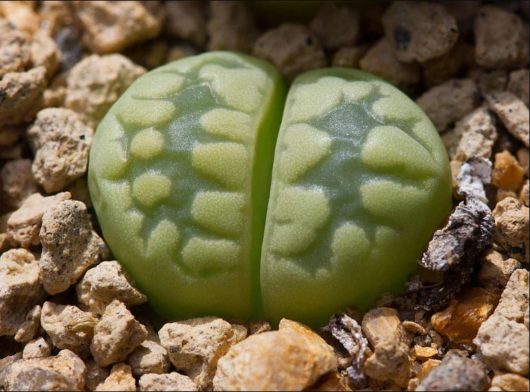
(336,25)
(44,52)
(166,382)
(507,173)
(14,49)
(69,245)
(449,102)
(501,38)
(120,379)
(495,271)
(149,357)
(292,48)
(105,282)
(513,114)
(514,299)
(511,223)
(68,327)
(509,382)
(419,31)
(29,328)
(37,348)
(456,373)
(116,335)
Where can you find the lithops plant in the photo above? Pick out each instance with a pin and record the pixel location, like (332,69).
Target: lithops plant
(209,217)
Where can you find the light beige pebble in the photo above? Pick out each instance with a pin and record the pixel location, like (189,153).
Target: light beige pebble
(44,52)
(518,84)
(473,136)
(20,289)
(111,27)
(96,82)
(194,346)
(14,49)
(21,94)
(514,299)
(381,61)
(21,14)
(292,48)
(501,38)
(116,335)
(513,114)
(61,142)
(503,344)
(292,358)
(186,20)
(65,371)
(149,357)
(16,182)
(29,328)
(69,245)
(336,25)
(9,135)
(495,270)
(95,374)
(511,233)
(105,282)
(449,102)
(120,379)
(380,324)
(349,56)
(68,327)
(231,26)
(524,194)
(24,224)
(37,348)
(509,382)
(419,31)
(166,382)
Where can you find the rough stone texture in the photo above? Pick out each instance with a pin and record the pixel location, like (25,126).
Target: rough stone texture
(120,379)
(20,289)
(449,102)
(68,327)
(472,136)
(292,358)
(28,329)
(513,114)
(96,82)
(456,373)
(511,221)
(61,142)
(24,224)
(149,357)
(14,49)
(441,69)
(381,61)
(507,174)
(380,324)
(292,48)
(16,182)
(461,320)
(44,52)
(186,21)
(495,271)
(37,348)
(111,27)
(524,195)
(116,335)
(231,27)
(21,94)
(95,374)
(501,38)
(419,31)
(518,84)
(514,299)
(69,245)
(65,371)
(489,81)
(509,382)
(336,25)
(21,14)
(166,382)
(349,56)
(104,283)
(194,346)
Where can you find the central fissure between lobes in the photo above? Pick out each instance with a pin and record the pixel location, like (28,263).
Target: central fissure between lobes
(191,204)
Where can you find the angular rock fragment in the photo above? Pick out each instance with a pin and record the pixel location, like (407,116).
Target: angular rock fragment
(512,112)
(509,382)
(507,173)
(511,224)
(104,283)
(61,142)
(20,289)
(292,358)
(495,271)
(44,52)
(149,357)
(14,49)
(29,328)
(23,226)
(69,245)
(292,48)
(166,382)
(419,31)
(37,348)
(120,379)
(116,335)
(68,327)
